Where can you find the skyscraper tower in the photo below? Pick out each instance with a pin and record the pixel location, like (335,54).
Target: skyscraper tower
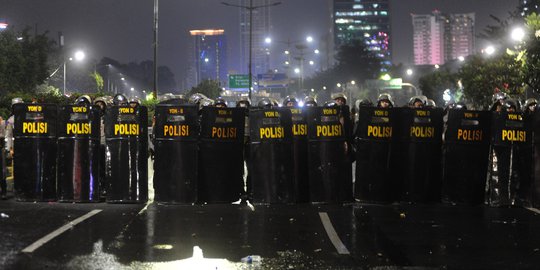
(366,20)
(439,38)
(428,38)
(208,56)
(260,61)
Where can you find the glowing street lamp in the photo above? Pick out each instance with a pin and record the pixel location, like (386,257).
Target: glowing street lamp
(409,72)
(489,50)
(518,34)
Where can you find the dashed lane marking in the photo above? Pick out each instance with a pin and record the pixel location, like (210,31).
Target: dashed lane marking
(31,248)
(332,234)
(533,209)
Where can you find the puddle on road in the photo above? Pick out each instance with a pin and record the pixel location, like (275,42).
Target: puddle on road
(284,260)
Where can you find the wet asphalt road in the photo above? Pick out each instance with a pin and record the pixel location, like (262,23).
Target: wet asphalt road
(285,236)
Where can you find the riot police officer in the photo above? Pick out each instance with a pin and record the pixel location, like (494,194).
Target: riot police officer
(244,102)
(310,101)
(220,103)
(530,105)
(431,104)
(340,99)
(417,102)
(119,100)
(510,106)
(265,103)
(9,141)
(385,101)
(3,170)
(83,100)
(498,100)
(134,102)
(290,101)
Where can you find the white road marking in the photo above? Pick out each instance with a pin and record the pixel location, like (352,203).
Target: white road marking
(533,209)
(332,234)
(31,248)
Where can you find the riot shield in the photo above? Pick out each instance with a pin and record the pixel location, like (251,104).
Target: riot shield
(271,166)
(416,154)
(300,155)
(78,153)
(126,150)
(221,166)
(373,138)
(510,137)
(175,153)
(465,156)
(35,146)
(330,169)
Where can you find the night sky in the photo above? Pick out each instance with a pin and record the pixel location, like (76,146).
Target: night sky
(122,29)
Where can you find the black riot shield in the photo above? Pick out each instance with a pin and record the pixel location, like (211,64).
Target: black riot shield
(534,121)
(300,155)
(78,153)
(176,155)
(221,156)
(416,154)
(271,166)
(373,138)
(330,169)
(465,156)
(510,139)
(126,164)
(35,145)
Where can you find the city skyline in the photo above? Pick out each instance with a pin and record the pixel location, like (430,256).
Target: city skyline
(106,29)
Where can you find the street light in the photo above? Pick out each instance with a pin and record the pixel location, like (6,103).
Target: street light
(489,50)
(250,8)
(518,34)
(409,72)
(79,56)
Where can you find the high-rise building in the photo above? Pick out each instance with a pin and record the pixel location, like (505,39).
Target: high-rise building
(366,20)
(459,36)
(260,60)
(428,38)
(439,38)
(208,59)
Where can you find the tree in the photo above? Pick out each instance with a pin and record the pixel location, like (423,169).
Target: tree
(23,60)
(209,88)
(530,57)
(434,84)
(354,62)
(482,76)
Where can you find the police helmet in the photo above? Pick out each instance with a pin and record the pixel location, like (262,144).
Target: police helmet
(414,99)
(83,100)
(197,98)
(119,100)
(243,102)
(310,101)
(431,103)
(510,105)
(530,102)
(206,102)
(340,96)
(16,101)
(101,102)
(220,102)
(289,99)
(265,103)
(365,102)
(385,97)
(460,106)
(498,96)
(165,97)
(330,104)
(134,101)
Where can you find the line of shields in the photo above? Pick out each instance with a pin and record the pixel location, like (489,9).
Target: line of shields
(292,155)
(457,156)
